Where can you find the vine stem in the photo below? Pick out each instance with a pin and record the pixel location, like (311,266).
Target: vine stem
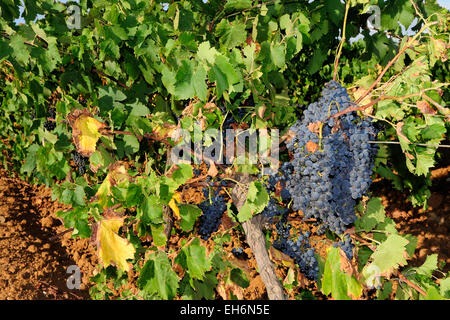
(393,60)
(117,132)
(411,284)
(421,93)
(59,235)
(341,43)
(417,144)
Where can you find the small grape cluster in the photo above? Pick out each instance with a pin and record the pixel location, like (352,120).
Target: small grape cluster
(273,208)
(80,162)
(346,245)
(239,253)
(298,249)
(213,210)
(239,113)
(332,160)
(51,114)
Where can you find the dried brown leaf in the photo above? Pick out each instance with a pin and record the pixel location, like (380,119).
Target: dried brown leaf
(398,129)
(281,258)
(312,146)
(212,171)
(314,127)
(425,107)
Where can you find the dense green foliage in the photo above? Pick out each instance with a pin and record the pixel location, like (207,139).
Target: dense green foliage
(140,69)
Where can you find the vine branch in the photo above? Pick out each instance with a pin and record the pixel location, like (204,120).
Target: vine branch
(393,60)
(341,43)
(257,242)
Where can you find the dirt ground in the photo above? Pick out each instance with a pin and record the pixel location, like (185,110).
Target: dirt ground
(35,254)
(33,264)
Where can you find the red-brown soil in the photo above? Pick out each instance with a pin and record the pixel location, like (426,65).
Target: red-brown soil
(32,266)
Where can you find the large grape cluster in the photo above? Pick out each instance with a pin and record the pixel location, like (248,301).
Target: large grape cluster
(332,160)
(212,214)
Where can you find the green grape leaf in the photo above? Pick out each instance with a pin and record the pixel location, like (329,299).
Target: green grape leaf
(430,264)
(316,62)
(335,9)
(337,282)
(183,80)
(233,5)
(152,210)
(79,196)
(157,276)
(425,161)
(433,294)
(412,244)
(199,83)
(374,214)
(231,34)
(239,277)
(390,254)
(182,173)
(158,236)
(225,75)
(20,50)
(277,53)
(257,200)
(189,214)
(206,53)
(193,258)
(434,131)
(445,287)
(131,144)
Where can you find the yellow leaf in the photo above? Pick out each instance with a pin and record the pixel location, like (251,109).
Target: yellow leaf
(164,131)
(173,204)
(358,93)
(85,131)
(103,191)
(112,249)
(117,174)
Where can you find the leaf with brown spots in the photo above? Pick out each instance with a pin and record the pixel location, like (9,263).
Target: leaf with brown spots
(85,131)
(346,265)
(409,155)
(424,107)
(113,249)
(400,134)
(261,111)
(226,289)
